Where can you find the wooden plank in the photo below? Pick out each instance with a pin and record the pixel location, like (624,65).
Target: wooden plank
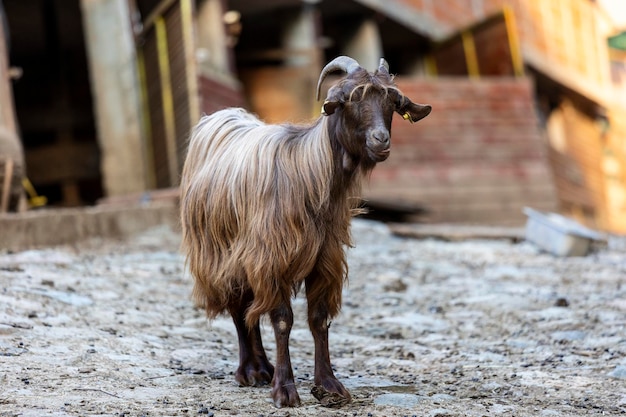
(190,62)
(154,109)
(6,186)
(456,232)
(471,59)
(167,98)
(147,137)
(514,43)
(470,211)
(171,87)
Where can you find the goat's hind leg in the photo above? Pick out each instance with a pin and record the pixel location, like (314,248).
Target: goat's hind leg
(254,367)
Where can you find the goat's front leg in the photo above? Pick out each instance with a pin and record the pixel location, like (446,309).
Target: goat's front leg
(327,389)
(284,390)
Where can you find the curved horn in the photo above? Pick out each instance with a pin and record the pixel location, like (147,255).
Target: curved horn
(341,63)
(383,65)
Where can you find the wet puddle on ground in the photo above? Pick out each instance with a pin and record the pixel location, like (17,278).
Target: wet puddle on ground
(391,393)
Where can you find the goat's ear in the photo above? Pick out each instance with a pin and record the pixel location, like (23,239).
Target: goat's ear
(334,99)
(414,112)
(329,107)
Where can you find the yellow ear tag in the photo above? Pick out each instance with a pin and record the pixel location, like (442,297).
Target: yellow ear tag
(407,116)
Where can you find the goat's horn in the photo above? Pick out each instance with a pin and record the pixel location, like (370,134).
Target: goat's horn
(341,63)
(383,65)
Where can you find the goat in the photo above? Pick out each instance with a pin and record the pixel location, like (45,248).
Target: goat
(266,208)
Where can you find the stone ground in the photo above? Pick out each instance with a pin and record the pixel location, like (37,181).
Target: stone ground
(428,328)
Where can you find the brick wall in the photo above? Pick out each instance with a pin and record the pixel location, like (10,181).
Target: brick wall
(216,95)
(478,158)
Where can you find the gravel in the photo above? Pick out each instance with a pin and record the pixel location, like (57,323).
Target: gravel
(428,328)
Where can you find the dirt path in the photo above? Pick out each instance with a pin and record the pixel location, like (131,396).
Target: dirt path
(428,328)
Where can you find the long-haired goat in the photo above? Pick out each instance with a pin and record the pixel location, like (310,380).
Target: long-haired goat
(266,208)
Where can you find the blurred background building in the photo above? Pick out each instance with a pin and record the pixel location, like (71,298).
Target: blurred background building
(528,95)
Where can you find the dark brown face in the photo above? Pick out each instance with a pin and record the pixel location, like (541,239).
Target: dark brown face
(365,102)
(369,111)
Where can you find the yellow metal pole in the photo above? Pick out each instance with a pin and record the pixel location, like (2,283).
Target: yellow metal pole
(471,59)
(186,11)
(514,45)
(167,98)
(147,124)
(6,187)
(430,64)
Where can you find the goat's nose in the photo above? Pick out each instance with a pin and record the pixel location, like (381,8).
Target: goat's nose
(381,136)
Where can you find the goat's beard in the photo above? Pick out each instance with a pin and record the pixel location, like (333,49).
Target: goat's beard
(378,156)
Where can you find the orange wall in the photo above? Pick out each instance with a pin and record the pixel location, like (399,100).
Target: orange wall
(456,14)
(570,34)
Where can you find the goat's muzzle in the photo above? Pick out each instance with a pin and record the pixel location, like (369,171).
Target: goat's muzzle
(378,145)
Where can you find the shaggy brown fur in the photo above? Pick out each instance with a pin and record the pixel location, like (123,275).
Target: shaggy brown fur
(257,211)
(267,208)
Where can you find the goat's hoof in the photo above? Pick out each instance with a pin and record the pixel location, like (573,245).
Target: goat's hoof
(286,396)
(335,396)
(254,375)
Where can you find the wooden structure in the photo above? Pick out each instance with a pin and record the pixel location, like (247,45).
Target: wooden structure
(53,104)
(177,84)
(110,90)
(488,48)
(169,85)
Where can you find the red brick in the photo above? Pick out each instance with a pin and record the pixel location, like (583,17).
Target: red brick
(481,134)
